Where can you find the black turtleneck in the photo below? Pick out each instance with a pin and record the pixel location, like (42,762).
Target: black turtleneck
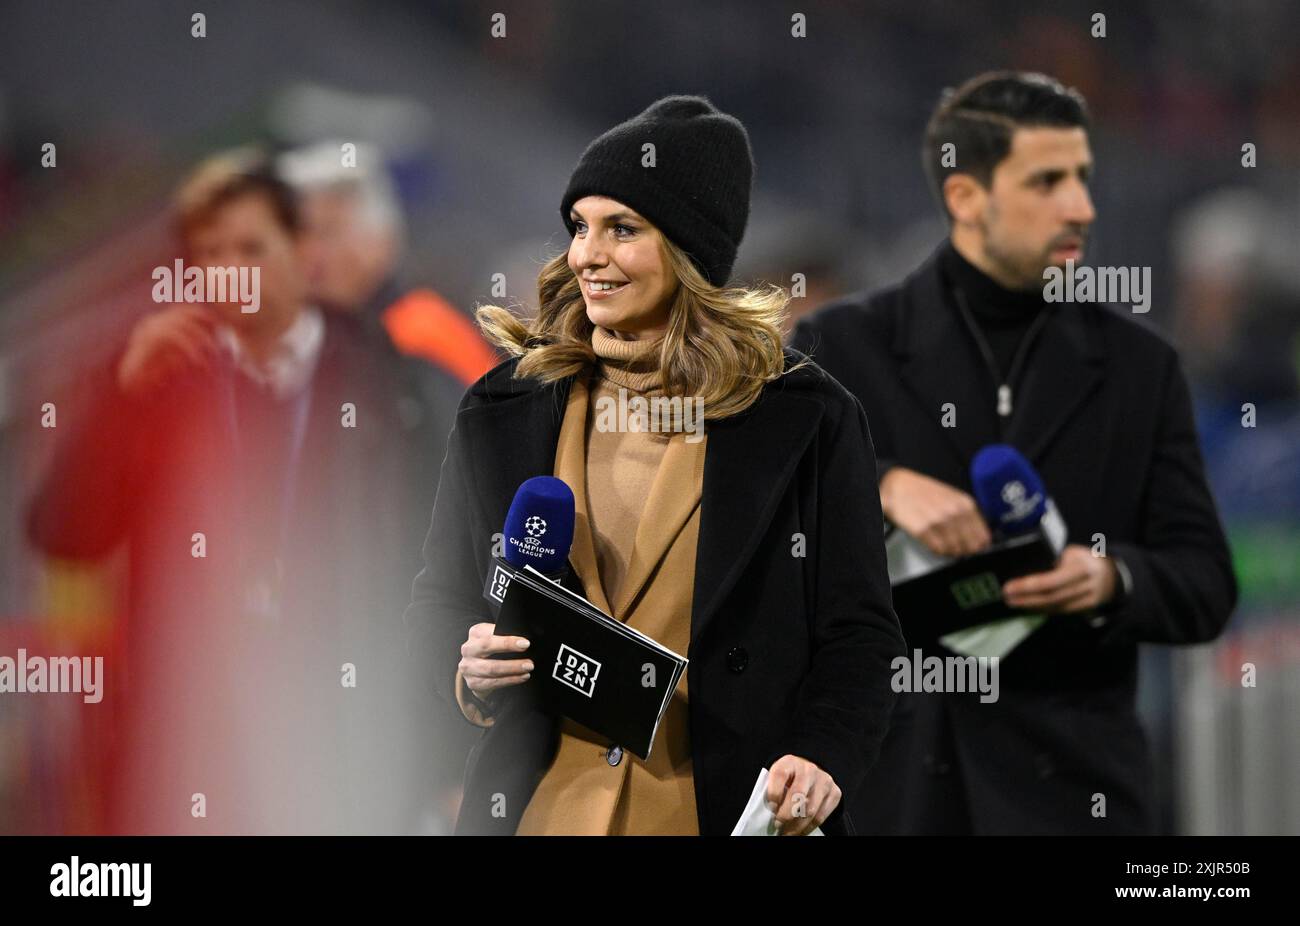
(1003,315)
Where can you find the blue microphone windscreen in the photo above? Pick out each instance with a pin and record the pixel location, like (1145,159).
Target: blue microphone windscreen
(539,526)
(1007,489)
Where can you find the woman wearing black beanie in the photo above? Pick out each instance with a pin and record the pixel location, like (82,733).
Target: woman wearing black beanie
(751,545)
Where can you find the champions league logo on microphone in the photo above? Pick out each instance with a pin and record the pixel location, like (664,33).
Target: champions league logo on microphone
(531,545)
(1022,505)
(538,529)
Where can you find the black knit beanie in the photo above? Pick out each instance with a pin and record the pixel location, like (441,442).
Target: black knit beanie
(697,192)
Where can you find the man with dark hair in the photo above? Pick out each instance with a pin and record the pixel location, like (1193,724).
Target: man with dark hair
(964,353)
(979,118)
(269,478)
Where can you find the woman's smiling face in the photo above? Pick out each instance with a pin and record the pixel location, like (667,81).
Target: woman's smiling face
(617,256)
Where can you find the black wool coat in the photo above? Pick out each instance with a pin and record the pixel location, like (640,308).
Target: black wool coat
(1102,411)
(789,653)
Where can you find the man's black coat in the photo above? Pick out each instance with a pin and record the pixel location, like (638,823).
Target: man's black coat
(1102,412)
(789,653)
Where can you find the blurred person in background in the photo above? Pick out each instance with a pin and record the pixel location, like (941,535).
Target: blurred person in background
(1238,323)
(259,468)
(355,235)
(354,240)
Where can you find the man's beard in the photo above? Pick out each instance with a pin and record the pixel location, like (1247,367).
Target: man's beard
(1027,270)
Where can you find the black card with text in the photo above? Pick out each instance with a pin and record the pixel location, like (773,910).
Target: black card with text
(968,592)
(588,666)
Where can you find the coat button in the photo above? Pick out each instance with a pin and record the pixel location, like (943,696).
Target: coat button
(614,755)
(1044,765)
(737,659)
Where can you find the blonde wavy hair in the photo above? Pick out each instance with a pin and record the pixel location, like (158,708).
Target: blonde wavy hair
(722,344)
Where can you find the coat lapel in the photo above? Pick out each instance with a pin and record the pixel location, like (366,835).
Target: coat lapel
(509,440)
(673,496)
(1065,367)
(940,364)
(571,466)
(751,459)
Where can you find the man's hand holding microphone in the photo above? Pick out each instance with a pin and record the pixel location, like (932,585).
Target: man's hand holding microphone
(951,523)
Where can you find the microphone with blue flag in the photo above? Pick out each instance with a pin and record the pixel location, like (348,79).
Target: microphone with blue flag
(538,532)
(1011,496)
(936,597)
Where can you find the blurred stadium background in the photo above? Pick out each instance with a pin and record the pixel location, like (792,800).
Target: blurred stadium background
(480,134)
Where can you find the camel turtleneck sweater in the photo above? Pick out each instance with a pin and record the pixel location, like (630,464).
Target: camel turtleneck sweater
(635,540)
(621,465)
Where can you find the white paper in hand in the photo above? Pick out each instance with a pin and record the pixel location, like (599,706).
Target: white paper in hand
(757,820)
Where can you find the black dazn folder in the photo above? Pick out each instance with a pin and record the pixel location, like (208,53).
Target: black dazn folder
(588,666)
